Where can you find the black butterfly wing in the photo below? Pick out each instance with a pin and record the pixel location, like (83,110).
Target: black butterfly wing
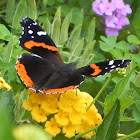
(63,79)
(32,69)
(104,67)
(35,40)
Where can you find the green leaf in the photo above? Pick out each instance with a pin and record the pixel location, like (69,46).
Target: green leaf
(30,132)
(91,30)
(10,9)
(136,115)
(109,128)
(76,51)
(133,39)
(64,29)
(74,37)
(8,51)
(5,124)
(4,33)
(86,54)
(20,13)
(31,7)
(55,33)
(7,101)
(136,95)
(136,20)
(19,110)
(79,18)
(126,119)
(46,26)
(107,43)
(120,92)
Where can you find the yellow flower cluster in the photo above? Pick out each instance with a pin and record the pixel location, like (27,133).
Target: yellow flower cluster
(3,84)
(68,109)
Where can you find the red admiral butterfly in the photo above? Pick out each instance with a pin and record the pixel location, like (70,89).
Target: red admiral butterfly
(44,71)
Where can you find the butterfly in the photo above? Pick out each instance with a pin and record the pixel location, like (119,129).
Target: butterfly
(44,70)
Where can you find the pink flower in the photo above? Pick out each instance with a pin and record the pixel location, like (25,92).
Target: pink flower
(111,31)
(96,7)
(114,13)
(107,7)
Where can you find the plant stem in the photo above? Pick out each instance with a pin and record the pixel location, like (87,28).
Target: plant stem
(86,132)
(100,92)
(130,135)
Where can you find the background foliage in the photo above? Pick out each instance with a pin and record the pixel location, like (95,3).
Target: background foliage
(80,38)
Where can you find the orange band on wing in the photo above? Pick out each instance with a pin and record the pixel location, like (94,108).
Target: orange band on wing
(96,69)
(60,90)
(23,75)
(30,44)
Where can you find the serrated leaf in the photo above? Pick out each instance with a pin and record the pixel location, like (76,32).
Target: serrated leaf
(90,32)
(109,128)
(10,8)
(75,35)
(46,26)
(20,13)
(133,39)
(86,54)
(136,95)
(31,7)
(64,29)
(119,91)
(76,51)
(55,32)
(30,132)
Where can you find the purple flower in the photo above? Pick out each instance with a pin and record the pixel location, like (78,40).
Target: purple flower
(125,10)
(107,7)
(118,3)
(112,31)
(96,7)
(111,21)
(114,13)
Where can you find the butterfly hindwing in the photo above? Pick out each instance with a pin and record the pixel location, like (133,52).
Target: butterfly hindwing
(62,80)
(33,69)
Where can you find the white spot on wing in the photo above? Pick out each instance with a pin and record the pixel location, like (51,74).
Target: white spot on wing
(111,62)
(35,23)
(41,33)
(30,31)
(113,66)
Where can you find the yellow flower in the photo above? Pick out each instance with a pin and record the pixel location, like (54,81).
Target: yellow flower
(85,126)
(50,106)
(52,127)
(3,84)
(28,105)
(70,130)
(67,112)
(76,117)
(62,118)
(38,115)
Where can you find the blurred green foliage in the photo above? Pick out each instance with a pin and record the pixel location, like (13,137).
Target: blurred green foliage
(80,38)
